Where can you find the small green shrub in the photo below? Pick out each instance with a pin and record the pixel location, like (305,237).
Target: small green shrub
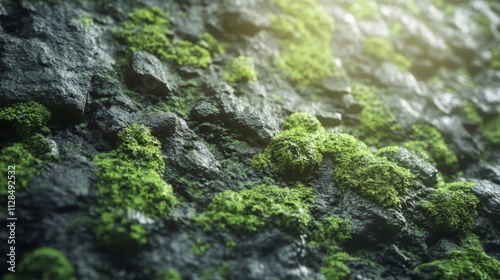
(44,264)
(27,118)
(240,69)
(252,209)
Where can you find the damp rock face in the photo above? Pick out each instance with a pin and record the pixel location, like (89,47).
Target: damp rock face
(251,139)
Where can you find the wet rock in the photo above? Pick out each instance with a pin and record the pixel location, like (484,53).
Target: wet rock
(148,75)
(489,196)
(204,112)
(186,150)
(258,123)
(329,119)
(57,59)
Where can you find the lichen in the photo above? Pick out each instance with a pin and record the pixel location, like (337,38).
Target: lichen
(383,50)
(452,208)
(305,30)
(240,69)
(251,209)
(130,184)
(27,118)
(44,263)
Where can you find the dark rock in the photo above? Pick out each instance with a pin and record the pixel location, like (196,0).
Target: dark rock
(57,59)
(335,86)
(329,119)
(148,75)
(246,22)
(257,123)
(489,196)
(204,112)
(186,150)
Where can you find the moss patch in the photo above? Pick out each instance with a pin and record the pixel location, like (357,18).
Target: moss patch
(492,131)
(305,30)
(169,274)
(27,118)
(250,210)
(240,69)
(148,29)
(129,185)
(452,208)
(364,9)
(334,266)
(45,264)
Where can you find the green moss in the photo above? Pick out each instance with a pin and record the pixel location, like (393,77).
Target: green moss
(129,181)
(240,69)
(334,267)
(383,50)
(332,230)
(250,210)
(495,58)
(87,22)
(471,113)
(39,146)
(433,143)
(378,179)
(305,30)
(364,9)
(147,29)
(169,274)
(27,118)
(199,248)
(377,122)
(471,263)
(25,168)
(492,131)
(302,121)
(220,271)
(452,209)
(44,264)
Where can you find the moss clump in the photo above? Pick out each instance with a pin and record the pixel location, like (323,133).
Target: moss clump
(44,264)
(471,113)
(364,9)
(305,30)
(147,29)
(240,69)
(470,263)
(294,151)
(250,210)
(492,131)
(25,168)
(377,179)
(332,230)
(382,49)
(130,184)
(452,208)
(376,122)
(169,274)
(433,143)
(334,267)
(28,118)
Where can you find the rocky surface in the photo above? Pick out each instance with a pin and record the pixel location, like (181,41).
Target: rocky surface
(417,81)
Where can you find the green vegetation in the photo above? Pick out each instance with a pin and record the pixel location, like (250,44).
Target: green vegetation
(492,131)
(432,142)
(147,29)
(130,183)
(199,248)
(382,49)
(332,230)
(470,263)
(452,207)
(334,267)
(28,118)
(169,274)
(299,149)
(495,58)
(376,122)
(240,69)
(220,271)
(25,167)
(252,209)
(305,30)
(364,9)
(471,113)
(44,264)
